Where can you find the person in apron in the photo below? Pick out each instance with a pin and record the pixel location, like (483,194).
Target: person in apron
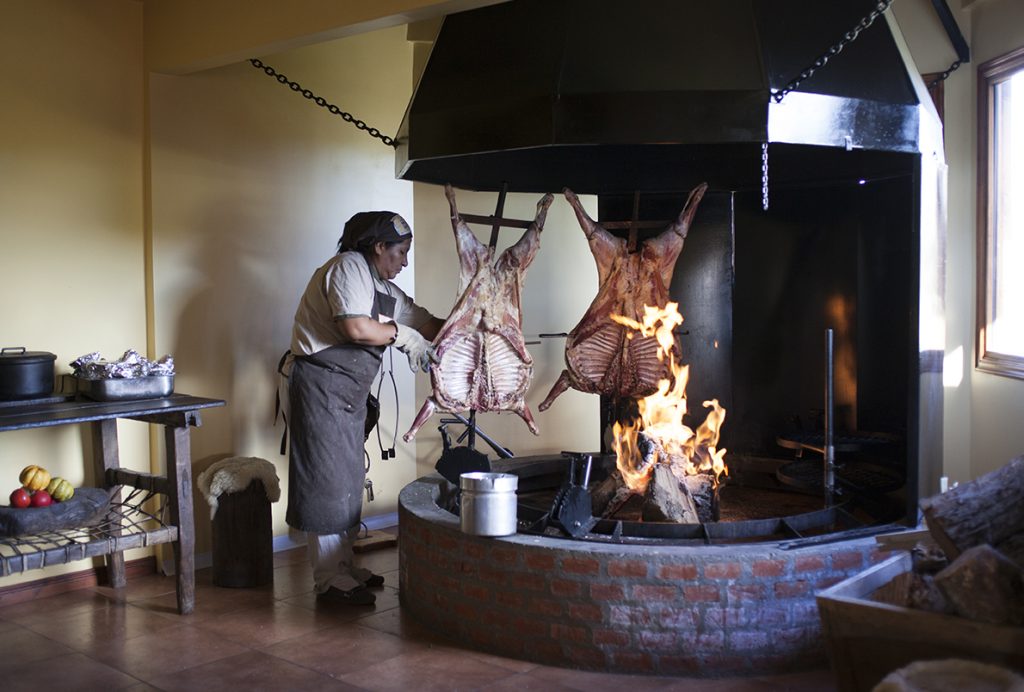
(349,313)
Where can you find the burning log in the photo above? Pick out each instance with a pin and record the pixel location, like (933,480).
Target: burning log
(668,500)
(988,510)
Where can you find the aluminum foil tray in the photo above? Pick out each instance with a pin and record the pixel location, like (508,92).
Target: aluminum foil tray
(117,389)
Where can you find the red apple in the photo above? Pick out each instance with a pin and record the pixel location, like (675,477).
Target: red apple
(41,498)
(20,498)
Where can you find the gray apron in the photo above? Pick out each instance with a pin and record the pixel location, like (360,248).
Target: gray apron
(326,470)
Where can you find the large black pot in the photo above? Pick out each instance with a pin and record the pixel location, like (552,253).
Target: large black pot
(25,374)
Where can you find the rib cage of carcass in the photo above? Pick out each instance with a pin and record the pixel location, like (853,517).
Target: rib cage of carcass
(483,364)
(600,356)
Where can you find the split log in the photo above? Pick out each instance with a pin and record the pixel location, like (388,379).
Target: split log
(988,510)
(668,500)
(984,585)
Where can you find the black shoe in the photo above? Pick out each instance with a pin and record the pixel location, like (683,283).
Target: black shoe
(357,596)
(374,581)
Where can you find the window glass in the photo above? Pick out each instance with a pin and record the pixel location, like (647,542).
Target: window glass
(1001,216)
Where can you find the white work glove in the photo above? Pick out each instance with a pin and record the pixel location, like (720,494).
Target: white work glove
(420,351)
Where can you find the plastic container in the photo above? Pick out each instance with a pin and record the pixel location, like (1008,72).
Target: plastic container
(488,503)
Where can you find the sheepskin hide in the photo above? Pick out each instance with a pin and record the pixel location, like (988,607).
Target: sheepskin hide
(233,475)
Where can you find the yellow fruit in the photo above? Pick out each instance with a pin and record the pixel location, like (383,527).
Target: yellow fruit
(34,477)
(60,490)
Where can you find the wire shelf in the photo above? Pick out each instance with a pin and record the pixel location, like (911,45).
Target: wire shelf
(128,524)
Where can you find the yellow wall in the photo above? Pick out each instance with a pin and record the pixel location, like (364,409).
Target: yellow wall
(250,187)
(71,209)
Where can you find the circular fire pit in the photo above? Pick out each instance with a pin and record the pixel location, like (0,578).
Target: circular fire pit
(649,606)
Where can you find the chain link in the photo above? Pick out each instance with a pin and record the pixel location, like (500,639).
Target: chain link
(945,75)
(322,102)
(764,176)
(848,38)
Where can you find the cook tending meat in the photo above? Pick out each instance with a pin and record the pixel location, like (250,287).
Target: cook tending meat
(600,357)
(483,362)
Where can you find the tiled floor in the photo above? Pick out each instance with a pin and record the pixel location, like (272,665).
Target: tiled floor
(278,638)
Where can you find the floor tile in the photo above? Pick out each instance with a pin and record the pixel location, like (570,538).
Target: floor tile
(342,650)
(68,671)
(249,671)
(21,645)
(430,669)
(89,631)
(168,651)
(146,586)
(265,625)
(45,609)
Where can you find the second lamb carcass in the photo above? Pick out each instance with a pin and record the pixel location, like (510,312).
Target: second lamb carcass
(600,356)
(483,362)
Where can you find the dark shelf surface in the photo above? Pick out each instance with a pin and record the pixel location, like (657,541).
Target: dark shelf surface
(83,410)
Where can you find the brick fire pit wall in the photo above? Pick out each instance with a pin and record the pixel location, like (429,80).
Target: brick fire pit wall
(665,610)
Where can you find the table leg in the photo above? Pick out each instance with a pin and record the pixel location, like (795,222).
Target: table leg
(179,473)
(105,456)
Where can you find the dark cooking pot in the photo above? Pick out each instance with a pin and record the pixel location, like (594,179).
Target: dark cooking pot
(25,374)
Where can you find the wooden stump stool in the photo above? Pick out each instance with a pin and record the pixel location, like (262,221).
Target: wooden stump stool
(243,553)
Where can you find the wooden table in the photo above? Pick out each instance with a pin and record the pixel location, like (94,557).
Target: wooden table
(177,413)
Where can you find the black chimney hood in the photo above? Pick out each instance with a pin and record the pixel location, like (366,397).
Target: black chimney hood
(611,97)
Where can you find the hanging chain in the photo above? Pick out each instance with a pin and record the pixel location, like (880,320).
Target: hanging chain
(320,101)
(764,176)
(945,75)
(848,38)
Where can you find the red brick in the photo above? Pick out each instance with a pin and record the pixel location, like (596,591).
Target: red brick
(748,641)
(447,543)
(477,592)
(586,657)
(564,587)
(505,556)
(607,592)
(494,576)
(568,633)
(580,566)
(510,599)
(723,570)
(585,612)
(627,568)
(678,572)
(474,550)
(545,606)
(745,592)
(630,615)
(676,617)
(712,642)
(613,637)
(682,664)
(658,641)
(768,568)
(530,627)
(809,563)
(792,589)
(633,661)
(847,561)
(701,593)
(826,582)
(540,561)
(649,592)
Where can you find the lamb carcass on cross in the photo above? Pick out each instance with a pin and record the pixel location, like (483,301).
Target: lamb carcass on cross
(600,356)
(483,363)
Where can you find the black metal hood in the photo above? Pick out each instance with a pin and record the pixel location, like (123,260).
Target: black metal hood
(609,96)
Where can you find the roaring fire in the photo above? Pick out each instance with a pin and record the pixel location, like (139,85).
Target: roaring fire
(661,415)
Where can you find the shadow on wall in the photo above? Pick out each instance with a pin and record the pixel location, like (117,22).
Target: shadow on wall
(232,331)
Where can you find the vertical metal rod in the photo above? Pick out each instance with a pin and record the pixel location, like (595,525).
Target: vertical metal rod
(471,443)
(829,442)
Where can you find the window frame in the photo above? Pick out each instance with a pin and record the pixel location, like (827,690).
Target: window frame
(990,74)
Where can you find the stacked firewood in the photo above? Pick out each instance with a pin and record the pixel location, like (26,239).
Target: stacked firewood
(971,561)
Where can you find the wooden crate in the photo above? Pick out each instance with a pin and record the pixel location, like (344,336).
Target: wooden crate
(867,639)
